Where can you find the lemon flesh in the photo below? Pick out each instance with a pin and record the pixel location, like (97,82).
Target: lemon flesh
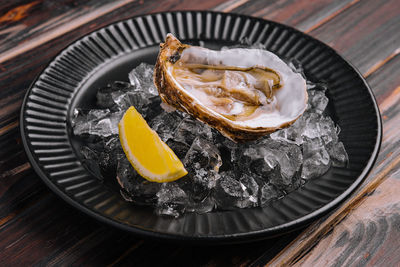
(153,159)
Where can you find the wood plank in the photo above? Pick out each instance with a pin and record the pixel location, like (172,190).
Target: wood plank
(301,14)
(365,33)
(383,81)
(23,28)
(371,206)
(14,24)
(225,255)
(369,235)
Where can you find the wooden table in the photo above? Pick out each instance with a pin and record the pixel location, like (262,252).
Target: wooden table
(36,227)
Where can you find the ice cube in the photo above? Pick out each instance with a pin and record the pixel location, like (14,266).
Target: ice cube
(110,153)
(88,153)
(203,206)
(141,78)
(165,124)
(261,162)
(152,109)
(280,135)
(292,134)
(276,162)
(188,129)
(289,157)
(140,100)
(113,144)
(228,157)
(249,185)
(99,122)
(267,168)
(198,183)
(235,150)
(120,86)
(126,175)
(103,97)
(317,101)
(202,162)
(104,94)
(329,132)
(101,156)
(338,154)
(171,200)
(119,96)
(90,159)
(268,193)
(312,125)
(230,192)
(317,86)
(179,148)
(134,187)
(316,158)
(203,155)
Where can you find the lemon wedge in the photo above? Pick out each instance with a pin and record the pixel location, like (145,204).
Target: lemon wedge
(153,159)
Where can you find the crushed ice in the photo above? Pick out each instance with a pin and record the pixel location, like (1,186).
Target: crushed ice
(222,174)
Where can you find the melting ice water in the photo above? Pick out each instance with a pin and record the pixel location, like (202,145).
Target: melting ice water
(222,174)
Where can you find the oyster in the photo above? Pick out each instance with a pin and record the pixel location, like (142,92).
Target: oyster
(243,93)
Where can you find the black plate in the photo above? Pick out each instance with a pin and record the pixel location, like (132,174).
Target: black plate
(108,54)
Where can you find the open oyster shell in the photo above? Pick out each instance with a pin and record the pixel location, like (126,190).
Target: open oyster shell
(243,93)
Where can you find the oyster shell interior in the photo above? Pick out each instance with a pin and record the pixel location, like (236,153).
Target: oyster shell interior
(243,93)
(234,92)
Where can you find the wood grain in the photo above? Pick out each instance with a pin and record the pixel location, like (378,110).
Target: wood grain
(15,22)
(38,228)
(384,80)
(15,39)
(365,237)
(366,33)
(301,14)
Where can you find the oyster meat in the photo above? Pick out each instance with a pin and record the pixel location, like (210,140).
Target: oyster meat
(243,93)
